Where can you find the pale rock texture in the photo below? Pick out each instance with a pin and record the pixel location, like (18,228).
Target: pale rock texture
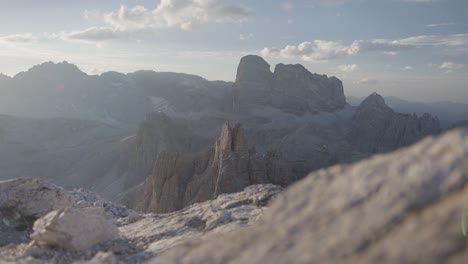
(179,180)
(402,207)
(143,236)
(74,229)
(33,197)
(102,258)
(156,233)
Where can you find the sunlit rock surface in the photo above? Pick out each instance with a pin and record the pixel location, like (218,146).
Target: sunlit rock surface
(402,207)
(179,180)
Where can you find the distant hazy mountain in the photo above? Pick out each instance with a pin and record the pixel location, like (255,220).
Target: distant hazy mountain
(70,152)
(448,113)
(62,90)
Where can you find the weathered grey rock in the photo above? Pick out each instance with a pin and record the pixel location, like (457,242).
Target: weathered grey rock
(291,88)
(253,81)
(156,234)
(179,180)
(103,258)
(403,207)
(155,134)
(33,197)
(143,236)
(377,128)
(74,229)
(86,199)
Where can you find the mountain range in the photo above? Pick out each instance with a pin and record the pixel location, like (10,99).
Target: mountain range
(449,113)
(107,132)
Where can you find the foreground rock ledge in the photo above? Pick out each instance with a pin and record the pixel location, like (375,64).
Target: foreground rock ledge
(33,196)
(74,229)
(403,207)
(70,235)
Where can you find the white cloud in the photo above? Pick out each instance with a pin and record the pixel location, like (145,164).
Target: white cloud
(183,14)
(449,67)
(391,53)
(93,35)
(93,71)
(408,68)
(440,24)
(317,50)
(18,38)
(436,40)
(136,18)
(348,68)
(91,14)
(366,81)
(244,37)
(323,50)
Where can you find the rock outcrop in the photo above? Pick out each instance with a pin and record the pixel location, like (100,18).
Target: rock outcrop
(74,229)
(156,133)
(377,128)
(32,197)
(291,88)
(74,220)
(142,236)
(403,207)
(179,180)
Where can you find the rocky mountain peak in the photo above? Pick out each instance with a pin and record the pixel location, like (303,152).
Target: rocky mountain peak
(373,106)
(291,88)
(374,99)
(4,77)
(250,65)
(377,128)
(181,179)
(403,207)
(156,133)
(51,69)
(290,69)
(231,140)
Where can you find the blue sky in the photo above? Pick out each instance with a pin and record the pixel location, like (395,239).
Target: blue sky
(414,49)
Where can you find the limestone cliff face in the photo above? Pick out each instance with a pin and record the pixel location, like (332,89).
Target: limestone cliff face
(179,180)
(291,88)
(156,133)
(402,207)
(377,128)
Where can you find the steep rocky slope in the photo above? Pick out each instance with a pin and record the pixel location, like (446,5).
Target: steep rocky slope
(156,133)
(377,128)
(84,228)
(448,112)
(69,152)
(179,179)
(291,88)
(403,207)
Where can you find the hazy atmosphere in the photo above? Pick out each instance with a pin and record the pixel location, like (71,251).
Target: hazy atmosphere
(226,132)
(415,49)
